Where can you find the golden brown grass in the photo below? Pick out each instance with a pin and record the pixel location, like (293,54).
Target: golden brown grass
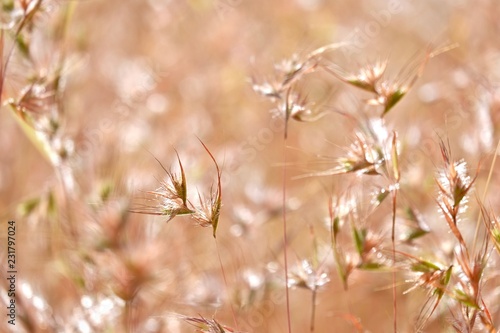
(345,167)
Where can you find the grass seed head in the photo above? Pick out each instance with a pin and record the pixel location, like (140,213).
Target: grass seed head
(304,275)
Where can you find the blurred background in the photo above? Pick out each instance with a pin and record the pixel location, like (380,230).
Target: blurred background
(135,80)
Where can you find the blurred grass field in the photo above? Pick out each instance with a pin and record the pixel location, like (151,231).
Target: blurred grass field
(95,91)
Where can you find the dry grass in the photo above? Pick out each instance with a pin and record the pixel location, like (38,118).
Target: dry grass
(339,158)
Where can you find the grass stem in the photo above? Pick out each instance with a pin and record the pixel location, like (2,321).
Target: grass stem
(488,180)
(285,240)
(233,313)
(393,241)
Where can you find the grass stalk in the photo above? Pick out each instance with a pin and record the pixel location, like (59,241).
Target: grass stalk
(393,243)
(313,308)
(223,271)
(285,240)
(488,180)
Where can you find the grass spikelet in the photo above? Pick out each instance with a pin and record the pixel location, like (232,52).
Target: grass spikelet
(210,211)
